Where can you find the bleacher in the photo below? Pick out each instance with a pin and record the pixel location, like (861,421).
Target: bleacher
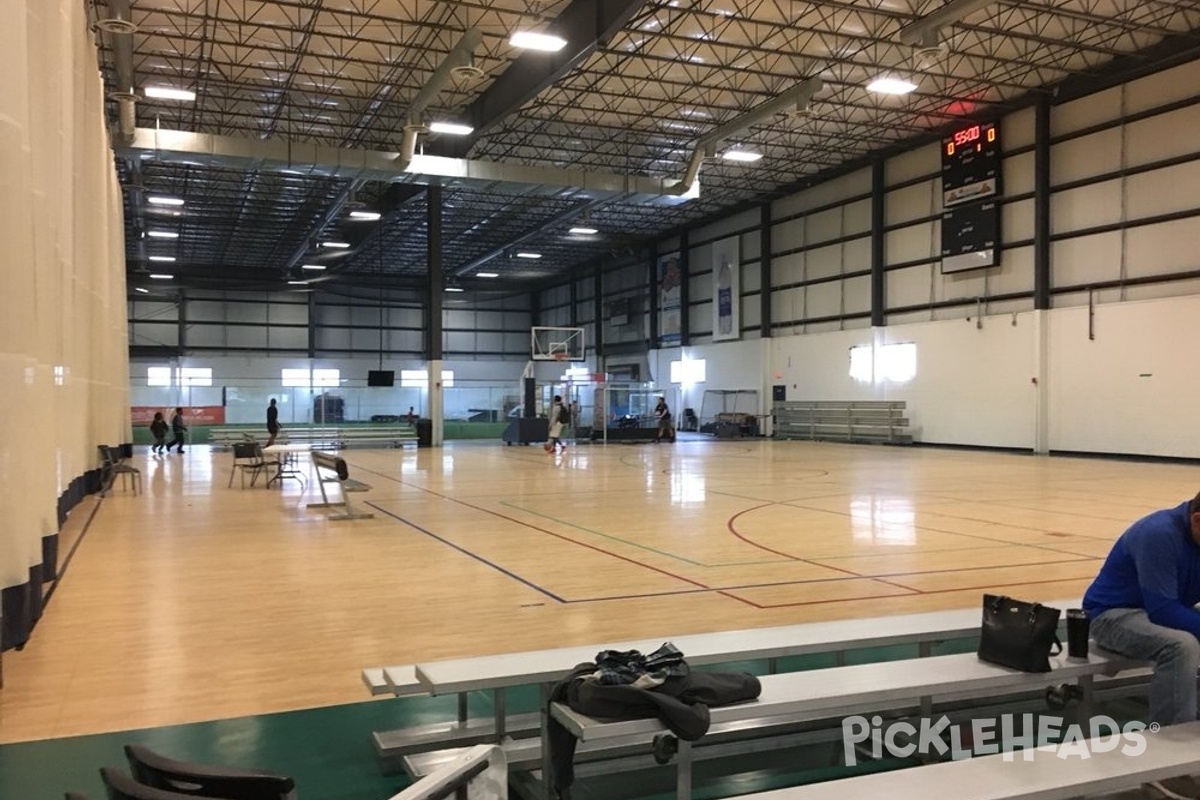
(321,437)
(880,421)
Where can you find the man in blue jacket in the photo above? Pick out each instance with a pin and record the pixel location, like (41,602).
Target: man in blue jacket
(1141,605)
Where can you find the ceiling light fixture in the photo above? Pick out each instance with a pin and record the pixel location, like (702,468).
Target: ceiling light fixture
(141,290)
(528,255)
(487,274)
(365,216)
(454,289)
(163,235)
(161,276)
(336,245)
(891,85)
(744,156)
(167,259)
(454,128)
(160,200)
(297,283)
(581,230)
(168,93)
(537,41)
(312,266)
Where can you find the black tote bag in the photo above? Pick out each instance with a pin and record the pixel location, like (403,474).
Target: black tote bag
(1017,634)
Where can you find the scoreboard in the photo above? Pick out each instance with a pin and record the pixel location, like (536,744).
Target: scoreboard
(971,164)
(971,172)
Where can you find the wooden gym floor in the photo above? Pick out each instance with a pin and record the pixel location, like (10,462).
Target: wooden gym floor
(199,602)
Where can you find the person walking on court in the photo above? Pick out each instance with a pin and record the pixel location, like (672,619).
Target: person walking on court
(178,429)
(272,422)
(663,414)
(559,417)
(1142,605)
(158,429)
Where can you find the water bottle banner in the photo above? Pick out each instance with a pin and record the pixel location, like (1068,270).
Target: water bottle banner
(670,296)
(727,272)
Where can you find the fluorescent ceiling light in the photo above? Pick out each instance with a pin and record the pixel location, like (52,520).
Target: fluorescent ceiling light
(162,258)
(336,245)
(450,127)
(140,289)
(312,266)
(529,255)
(891,86)
(581,230)
(368,216)
(159,276)
(487,274)
(297,283)
(163,235)
(537,41)
(159,200)
(744,156)
(167,93)
(454,289)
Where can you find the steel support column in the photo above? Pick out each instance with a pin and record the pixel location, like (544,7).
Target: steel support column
(878,197)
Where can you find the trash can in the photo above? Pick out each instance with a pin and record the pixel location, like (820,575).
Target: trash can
(424,433)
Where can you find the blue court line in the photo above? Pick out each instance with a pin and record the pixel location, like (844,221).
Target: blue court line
(466,552)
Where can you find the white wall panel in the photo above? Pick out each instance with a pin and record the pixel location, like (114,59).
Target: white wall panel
(961,285)
(1162,88)
(1086,112)
(1086,259)
(909,286)
(292,338)
(1016,221)
(787,269)
(332,339)
(910,244)
(788,235)
(288,314)
(252,337)
(1086,207)
(1095,154)
(856,217)
(1018,174)
(1018,130)
(912,202)
(331,315)
(1163,248)
(824,262)
(787,305)
(825,299)
(857,294)
(1163,191)
(923,162)
(824,226)
(1163,136)
(856,254)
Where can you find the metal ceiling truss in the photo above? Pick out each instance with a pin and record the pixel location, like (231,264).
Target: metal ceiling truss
(640,89)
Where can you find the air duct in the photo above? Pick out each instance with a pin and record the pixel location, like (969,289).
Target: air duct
(119,25)
(706,146)
(924,32)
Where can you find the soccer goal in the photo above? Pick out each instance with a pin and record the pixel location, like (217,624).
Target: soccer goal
(729,411)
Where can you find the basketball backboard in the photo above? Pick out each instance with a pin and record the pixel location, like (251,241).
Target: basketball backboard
(556,344)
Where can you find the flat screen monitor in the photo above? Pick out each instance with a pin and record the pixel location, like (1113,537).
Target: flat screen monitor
(381,377)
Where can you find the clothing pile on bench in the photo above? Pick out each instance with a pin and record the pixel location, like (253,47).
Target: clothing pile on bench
(624,685)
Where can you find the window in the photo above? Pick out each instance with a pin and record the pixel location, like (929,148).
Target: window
(686,371)
(303,378)
(158,376)
(60,376)
(887,362)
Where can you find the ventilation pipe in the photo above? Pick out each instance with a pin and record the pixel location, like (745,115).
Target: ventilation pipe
(706,147)
(119,24)
(461,56)
(925,31)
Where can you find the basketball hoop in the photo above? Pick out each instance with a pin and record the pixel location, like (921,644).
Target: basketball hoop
(560,356)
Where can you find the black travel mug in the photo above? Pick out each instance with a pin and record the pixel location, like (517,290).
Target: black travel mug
(1077,633)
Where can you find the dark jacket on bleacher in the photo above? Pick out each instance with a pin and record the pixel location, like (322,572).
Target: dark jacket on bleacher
(680,702)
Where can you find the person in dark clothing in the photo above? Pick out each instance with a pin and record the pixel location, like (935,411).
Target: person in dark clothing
(272,422)
(158,429)
(178,429)
(663,414)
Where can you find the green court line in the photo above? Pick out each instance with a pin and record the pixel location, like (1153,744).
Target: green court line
(645,547)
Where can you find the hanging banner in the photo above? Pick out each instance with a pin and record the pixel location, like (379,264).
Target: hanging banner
(670,294)
(727,295)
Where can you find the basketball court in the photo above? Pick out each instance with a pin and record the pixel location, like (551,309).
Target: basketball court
(196,601)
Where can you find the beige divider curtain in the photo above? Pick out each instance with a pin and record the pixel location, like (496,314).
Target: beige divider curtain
(63,347)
